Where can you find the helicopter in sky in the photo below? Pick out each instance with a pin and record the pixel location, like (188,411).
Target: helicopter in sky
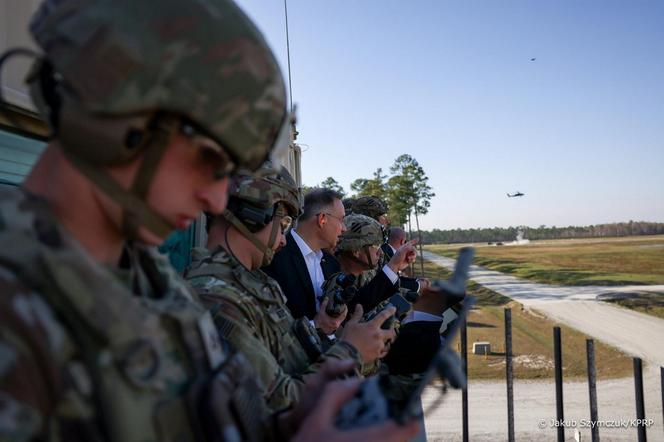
(515,194)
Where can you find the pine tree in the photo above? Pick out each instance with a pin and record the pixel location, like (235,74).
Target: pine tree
(331,183)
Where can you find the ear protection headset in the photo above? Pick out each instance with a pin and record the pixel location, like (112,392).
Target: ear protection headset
(252,216)
(91,141)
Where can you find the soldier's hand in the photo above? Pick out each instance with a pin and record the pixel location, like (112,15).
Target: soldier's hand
(367,337)
(320,423)
(326,322)
(314,385)
(404,255)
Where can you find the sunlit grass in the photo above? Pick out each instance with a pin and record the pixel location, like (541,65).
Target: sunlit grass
(609,262)
(532,340)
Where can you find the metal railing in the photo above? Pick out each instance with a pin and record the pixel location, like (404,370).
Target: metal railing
(558,369)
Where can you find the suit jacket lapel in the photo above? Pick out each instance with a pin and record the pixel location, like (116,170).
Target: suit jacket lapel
(387,250)
(302,273)
(330,265)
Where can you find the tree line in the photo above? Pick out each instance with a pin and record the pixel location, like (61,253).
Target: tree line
(506,234)
(405,190)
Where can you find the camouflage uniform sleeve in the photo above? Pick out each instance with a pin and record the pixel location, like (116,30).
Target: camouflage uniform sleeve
(281,389)
(23,398)
(32,385)
(240,325)
(342,350)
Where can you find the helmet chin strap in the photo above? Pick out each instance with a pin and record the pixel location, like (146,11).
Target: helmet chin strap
(132,220)
(267,250)
(370,262)
(280,212)
(135,211)
(368,265)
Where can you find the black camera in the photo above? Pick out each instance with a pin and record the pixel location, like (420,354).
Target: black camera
(401,303)
(308,337)
(344,292)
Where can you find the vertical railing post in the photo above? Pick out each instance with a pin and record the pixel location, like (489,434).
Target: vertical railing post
(661,378)
(509,374)
(464,392)
(592,388)
(558,356)
(640,405)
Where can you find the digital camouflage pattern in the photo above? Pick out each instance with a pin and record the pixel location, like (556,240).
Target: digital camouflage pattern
(249,310)
(371,206)
(267,187)
(367,275)
(88,353)
(361,231)
(201,59)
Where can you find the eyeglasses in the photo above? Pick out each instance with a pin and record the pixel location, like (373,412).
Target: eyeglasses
(212,153)
(341,220)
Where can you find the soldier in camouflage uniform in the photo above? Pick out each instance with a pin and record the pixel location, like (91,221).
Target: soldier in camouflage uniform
(371,206)
(375,208)
(152,105)
(358,251)
(249,307)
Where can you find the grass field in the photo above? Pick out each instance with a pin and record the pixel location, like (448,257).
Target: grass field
(609,261)
(612,261)
(532,341)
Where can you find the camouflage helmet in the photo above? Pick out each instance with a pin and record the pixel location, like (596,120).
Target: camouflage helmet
(119,77)
(361,231)
(265,188)
(253,204)
(205,61)
(348,204)
(370,206)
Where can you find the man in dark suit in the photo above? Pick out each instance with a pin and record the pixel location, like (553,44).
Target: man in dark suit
(302,265)
(420,333)
(396,237)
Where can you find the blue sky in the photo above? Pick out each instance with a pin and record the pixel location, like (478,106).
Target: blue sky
(580,130)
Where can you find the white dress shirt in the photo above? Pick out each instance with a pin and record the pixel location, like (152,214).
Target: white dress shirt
(312,260)
(393,277)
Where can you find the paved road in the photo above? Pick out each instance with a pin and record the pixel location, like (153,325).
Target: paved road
(634,333)
(534,401)
(579,307)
